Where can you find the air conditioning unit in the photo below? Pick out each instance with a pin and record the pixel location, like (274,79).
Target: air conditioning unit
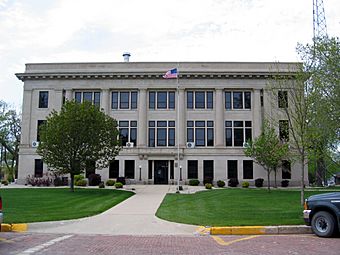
(35,144)
(244,144)
(129,145)
(190,145)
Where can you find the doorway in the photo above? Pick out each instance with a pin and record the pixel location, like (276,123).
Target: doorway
(161,171)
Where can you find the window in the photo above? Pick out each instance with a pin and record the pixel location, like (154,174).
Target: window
(200,100)
(124,100)
(40,122)
(150,169)
(208,171)
(237,132)
(130,169)
(114,169)
(128,131)
(247,169)
(90,168)
(192,169)
(237,100)
(43,99)
(161,100)
(232,169)
(283,99)
(38,168)
(89,96)
(161,133)
(286,170)
(284,130)
(201,132)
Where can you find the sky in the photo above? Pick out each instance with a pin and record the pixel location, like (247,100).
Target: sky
(43,31)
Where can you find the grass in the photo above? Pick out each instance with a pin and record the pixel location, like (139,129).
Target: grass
(49,204)
(235,207)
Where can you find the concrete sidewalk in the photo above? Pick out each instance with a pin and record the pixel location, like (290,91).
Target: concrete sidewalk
(134,216)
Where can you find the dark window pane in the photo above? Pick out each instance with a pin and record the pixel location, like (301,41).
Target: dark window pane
(90,168)
(283,99)
(286,170)
(96,101)
(190,135)
(232,169)
(192,169)
(87,96)
(43,99)
(238,137)
(151,137)
(161,100)
(171,123)
(237,100)
(210,137)
(199,123)
(228,100)
(124,135)
(151,123)
(133,123)
(238,123)
(247,169)
(171,100)
(123,123)
(114,100)
(228,124)
(134,100)
(228,137)
(38,168)
(114,169)
(283,130)
(199,100)
(171,139)
(152,98)
(40,122)
(124,100)
(161,124)
(161,136)
(210,100)
(190,123)
(210,123)
(248,134)
(247,100)
(247,124)
(190,100)
(133,135)
(208,170)
(77,97)
(200,136)
(130,169)
(150,169)
(172,168)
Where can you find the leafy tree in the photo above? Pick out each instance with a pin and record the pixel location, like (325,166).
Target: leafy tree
(10,131)
(267,150)
(78,134)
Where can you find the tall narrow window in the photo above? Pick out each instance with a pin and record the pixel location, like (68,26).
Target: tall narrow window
(208,171)
(134,100)
(152,99)
(286,170)
(90,168)
(238,133)
(238,100)
(283,99)
(232,169)
(161,133)
(171,100)
(114,100)
(192,169)
(124,100)
(43,99)
(38,168)
(40,123)
(284,130)
(114,169)
(247,169)
(129,169)
(247,100)
(150,169)
(190,100)
(228,100)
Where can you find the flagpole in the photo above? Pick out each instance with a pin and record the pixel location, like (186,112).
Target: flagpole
(178,127)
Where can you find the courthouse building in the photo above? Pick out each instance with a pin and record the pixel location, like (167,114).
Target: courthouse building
(193,127)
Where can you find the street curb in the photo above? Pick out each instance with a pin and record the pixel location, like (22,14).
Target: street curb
(261,230)
(13,228)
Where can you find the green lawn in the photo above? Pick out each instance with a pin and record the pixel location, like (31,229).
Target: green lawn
(234,207)
(48,204)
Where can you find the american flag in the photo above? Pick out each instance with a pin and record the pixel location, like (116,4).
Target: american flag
(171,74)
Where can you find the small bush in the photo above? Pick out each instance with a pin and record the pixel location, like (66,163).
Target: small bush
(110,182)
(101,185)
(284,183)
(208,185)
(4,182)
(118,185)
(233,182)
(82,183)
(78,177)
(220,183)
(245,184)
(259,182)
(121,180)
(207,180)
(194,182)
(94,179)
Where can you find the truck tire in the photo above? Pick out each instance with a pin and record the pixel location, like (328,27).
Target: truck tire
(323,224)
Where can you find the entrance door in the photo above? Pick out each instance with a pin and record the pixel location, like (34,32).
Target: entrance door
(161,170)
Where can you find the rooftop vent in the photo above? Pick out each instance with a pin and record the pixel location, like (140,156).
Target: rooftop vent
(126,56)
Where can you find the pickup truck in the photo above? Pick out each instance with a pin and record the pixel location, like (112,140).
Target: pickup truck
(322,213)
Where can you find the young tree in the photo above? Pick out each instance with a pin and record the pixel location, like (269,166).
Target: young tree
(79,133)
(267,150)
(10,131)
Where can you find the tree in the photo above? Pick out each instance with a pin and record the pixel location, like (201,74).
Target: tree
(10,131)
(267,150)
(78,134)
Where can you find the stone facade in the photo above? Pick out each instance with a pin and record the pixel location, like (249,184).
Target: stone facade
(214,99)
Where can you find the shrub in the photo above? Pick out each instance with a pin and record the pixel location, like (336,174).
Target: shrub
(45,180)
(78,177)
(121,180)
(208,185)
(233,182)
(194,182)
(94,179)
(220,183)
(101,185)
(245,184)
(207,180)
(82,183)
(58,181)
(4,182)
(118,185)
(259,182)
(110,182)
(284,183)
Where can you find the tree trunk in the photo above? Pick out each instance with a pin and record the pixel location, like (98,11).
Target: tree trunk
(268,179)
(275,183)
(302,198)
(72,181)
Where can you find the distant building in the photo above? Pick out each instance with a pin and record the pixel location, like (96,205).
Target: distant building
(221,105)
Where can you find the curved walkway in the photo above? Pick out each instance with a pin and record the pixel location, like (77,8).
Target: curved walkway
(134,216)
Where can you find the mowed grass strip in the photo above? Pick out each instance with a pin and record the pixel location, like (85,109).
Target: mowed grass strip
(234,207)
(49,204)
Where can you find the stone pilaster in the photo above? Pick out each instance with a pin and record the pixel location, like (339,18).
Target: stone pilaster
(219,119)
